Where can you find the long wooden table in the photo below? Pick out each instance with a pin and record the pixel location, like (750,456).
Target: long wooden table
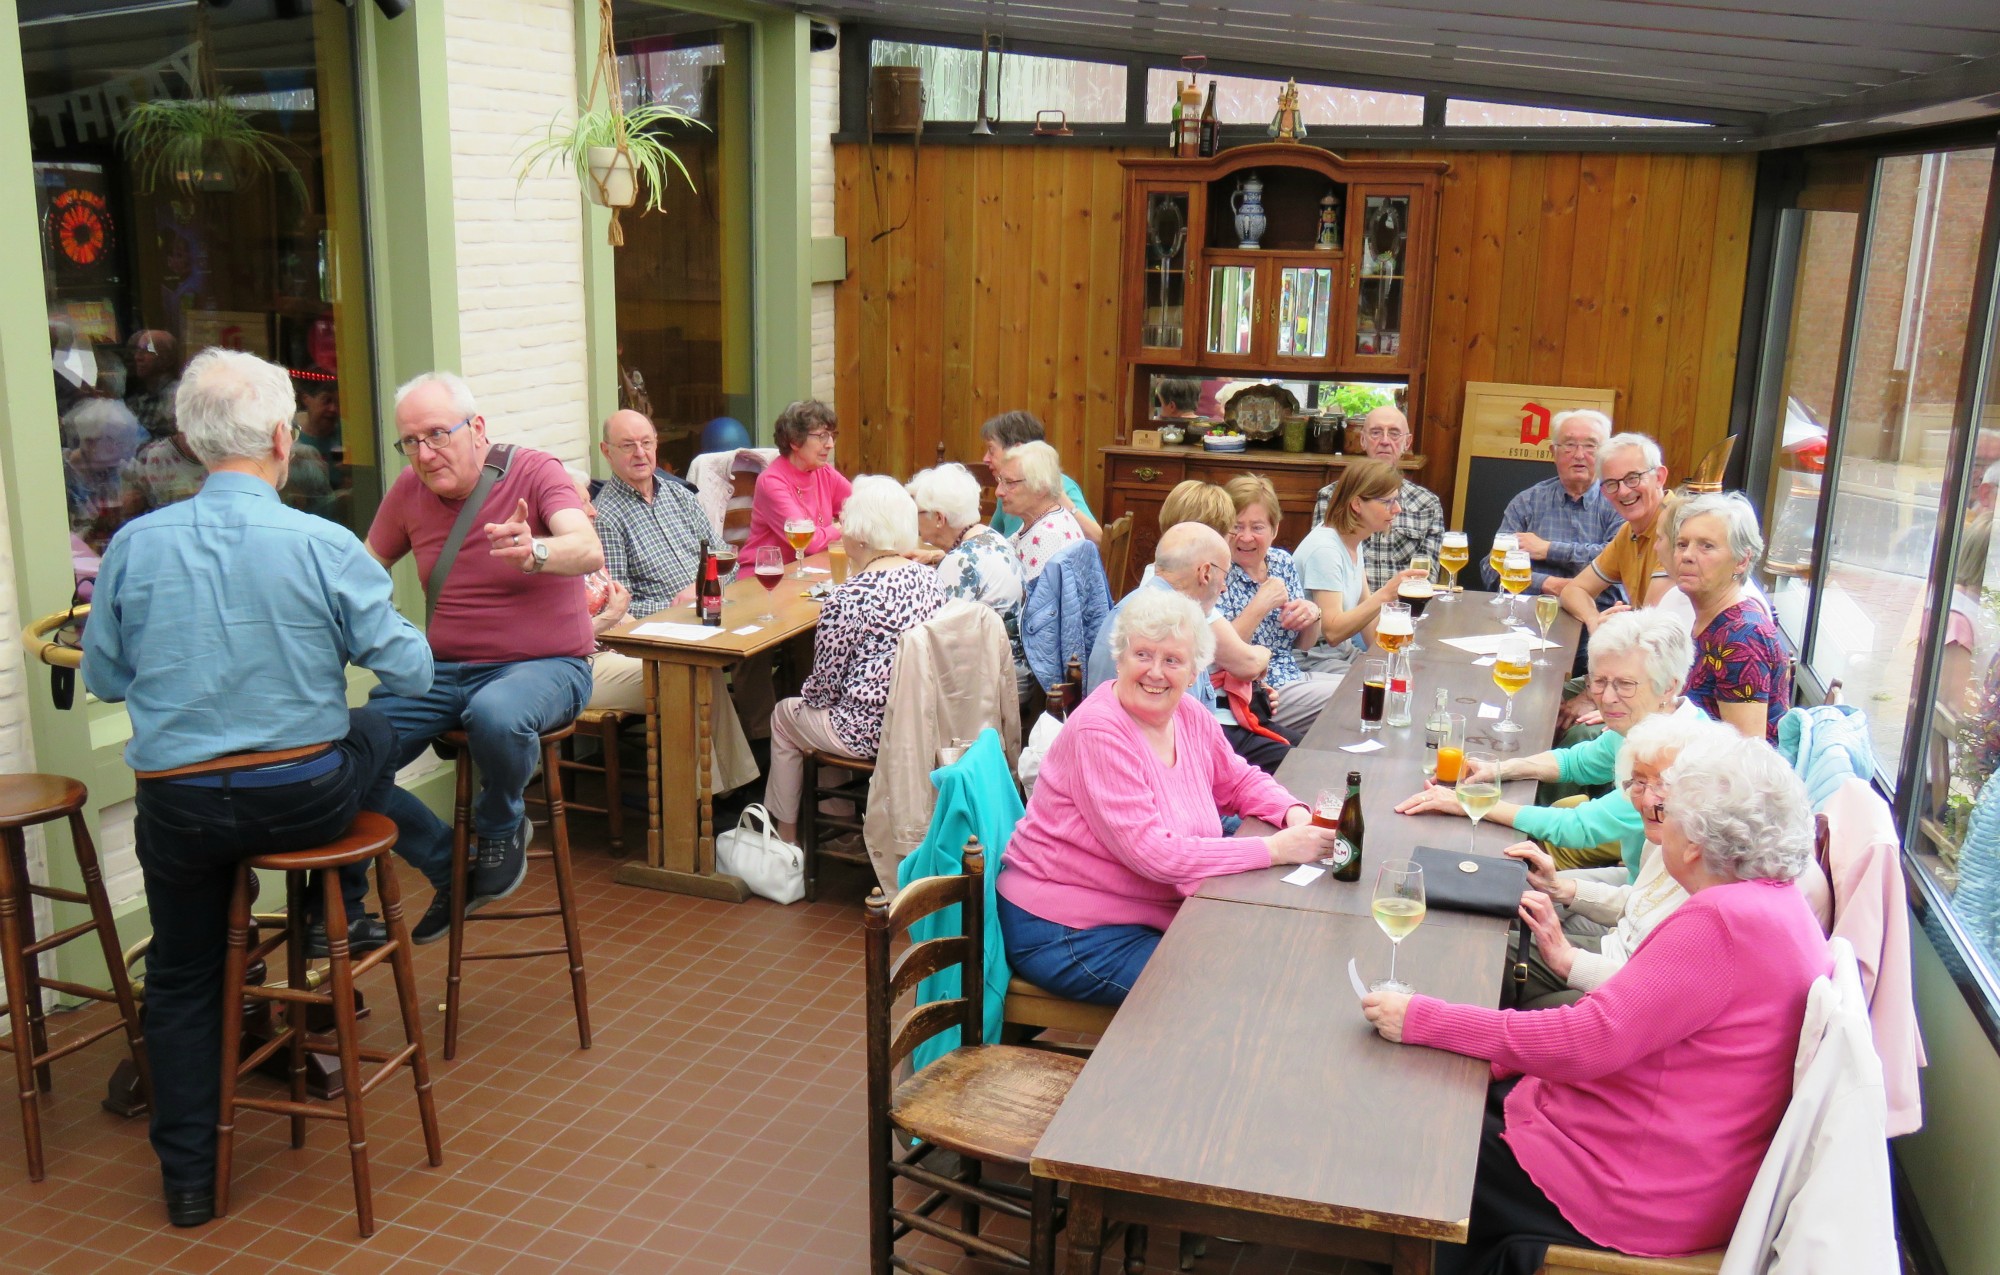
(1239,1091)
(680,723)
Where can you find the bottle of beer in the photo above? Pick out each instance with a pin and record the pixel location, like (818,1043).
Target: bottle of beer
(1210,128)
(708,590)
(1072,686)
(1348,838)
(1174,120)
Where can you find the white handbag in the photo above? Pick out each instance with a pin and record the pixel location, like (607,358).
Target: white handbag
(768,864)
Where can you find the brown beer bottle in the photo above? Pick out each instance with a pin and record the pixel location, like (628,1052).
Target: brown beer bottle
(1348,838)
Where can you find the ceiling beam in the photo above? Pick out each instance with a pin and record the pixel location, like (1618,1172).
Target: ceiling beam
(1979,79)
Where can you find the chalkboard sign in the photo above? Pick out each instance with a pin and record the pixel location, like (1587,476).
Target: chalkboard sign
(1503,450)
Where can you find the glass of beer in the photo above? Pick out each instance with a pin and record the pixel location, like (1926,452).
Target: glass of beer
(836,558)
(1374,695)
(1326,807)
(1451,750)
(1511,671)
(725,563)
(1547,608)
(1503,544)
(799,534)
(1477,796)
(1398,908)
(1394,629)
(1453,554)
(1416,595)
(769,569)
(1516,574)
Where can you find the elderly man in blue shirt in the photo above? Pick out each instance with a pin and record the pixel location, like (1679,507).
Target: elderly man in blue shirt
(226,623)
(1563,522)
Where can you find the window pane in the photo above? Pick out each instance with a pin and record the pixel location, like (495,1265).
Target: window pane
(1465,113)
(1017,84)
(1873,612)
(1242,99)
(1812,358)
(157,244)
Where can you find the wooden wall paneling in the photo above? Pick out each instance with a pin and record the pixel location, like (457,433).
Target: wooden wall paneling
(1437,432)
(1071,351)
(990,180)
(1555,268)
(1489,253)
(1716,386)
(1520,256)
(959,391)
(1630,187)
(1042,264)
(1582,336)
(1689,309)
(1659,256)
(923,333)
(848,220)
(1017,208)
(1105,395)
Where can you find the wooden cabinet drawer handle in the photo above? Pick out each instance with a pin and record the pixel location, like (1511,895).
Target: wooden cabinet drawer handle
(1145,473)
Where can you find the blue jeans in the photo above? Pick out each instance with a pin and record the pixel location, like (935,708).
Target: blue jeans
(190,840)
(503,709)
(1097,965)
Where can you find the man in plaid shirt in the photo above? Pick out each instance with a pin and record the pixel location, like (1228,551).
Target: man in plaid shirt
(651,525)
(1419,526)
(1563,522)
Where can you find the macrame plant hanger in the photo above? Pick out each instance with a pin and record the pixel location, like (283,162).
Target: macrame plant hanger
(606,74)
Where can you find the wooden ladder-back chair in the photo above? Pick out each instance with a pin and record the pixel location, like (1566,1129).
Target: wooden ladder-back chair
(981,1103)
(1116,550)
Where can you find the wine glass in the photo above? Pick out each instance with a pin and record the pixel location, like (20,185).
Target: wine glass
(799,533)
(1453,554)
(1517,572)
(1511,671)
(1398,907)
(770,569)
(1478,795)
(1547,608)
(1503,544)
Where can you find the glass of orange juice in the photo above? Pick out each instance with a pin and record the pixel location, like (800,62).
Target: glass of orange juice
(836,558)
(1451,750)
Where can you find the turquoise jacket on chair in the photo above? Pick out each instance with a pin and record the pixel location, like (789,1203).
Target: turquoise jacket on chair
(976,797)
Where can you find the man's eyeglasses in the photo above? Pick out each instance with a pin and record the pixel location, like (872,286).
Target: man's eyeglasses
(1387,436)
(436,440)
(1630,482)
(297,429)
(1585,448)
(639,447)
(1624,687)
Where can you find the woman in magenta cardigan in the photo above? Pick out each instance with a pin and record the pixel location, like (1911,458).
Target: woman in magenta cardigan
(801,483)
(1126,818)
(1636,1118)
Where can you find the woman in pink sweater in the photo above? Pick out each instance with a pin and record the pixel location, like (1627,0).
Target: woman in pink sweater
(802,484)
(1126,819)
(1636,1118)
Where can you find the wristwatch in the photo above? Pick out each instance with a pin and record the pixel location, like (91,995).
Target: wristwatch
(539,554)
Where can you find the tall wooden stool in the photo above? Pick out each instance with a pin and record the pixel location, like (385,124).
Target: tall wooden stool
(606,724)
(814,824)
(27,800)
(461,873)
(369,838)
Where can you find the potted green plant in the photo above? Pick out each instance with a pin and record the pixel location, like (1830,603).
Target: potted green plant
(201,144)
(614,153)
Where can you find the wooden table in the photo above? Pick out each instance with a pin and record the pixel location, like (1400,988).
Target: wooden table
(1239,1091)
(680,724)
(1397,769)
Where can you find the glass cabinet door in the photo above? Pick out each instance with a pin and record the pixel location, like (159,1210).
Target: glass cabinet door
(1163,325)
(1305,304)
(1379,290)
(1232,309)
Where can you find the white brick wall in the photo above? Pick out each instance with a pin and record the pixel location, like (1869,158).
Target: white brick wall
(825,121)
(512,67)
(17,744)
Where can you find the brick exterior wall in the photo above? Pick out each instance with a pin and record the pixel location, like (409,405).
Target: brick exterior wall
(825,122)
(512,67)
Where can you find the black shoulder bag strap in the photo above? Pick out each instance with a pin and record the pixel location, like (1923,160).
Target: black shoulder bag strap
(498,458)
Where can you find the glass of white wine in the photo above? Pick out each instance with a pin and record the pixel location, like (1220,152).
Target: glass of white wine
(1517,572)
(1453,554)
(1478,791)
(1547,608)
(1503,544)
(1398,908)
(1511,671)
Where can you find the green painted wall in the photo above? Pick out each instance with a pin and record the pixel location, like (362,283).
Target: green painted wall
(1953,1162)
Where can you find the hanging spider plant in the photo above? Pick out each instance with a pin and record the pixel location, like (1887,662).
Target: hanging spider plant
(202,144)
(617,155)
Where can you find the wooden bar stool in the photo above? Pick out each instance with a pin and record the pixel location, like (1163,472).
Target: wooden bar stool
(27,800)
(369,838)
(461,873)
(606,724)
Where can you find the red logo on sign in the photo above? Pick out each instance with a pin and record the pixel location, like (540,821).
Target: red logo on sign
(1534,424)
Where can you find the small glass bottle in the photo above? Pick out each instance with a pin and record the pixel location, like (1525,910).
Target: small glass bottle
(1436,727)
(1396,712)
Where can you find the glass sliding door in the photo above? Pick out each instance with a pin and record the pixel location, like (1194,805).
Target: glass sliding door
(683,276)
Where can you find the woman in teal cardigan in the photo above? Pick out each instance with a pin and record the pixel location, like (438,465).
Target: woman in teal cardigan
(1639,661)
